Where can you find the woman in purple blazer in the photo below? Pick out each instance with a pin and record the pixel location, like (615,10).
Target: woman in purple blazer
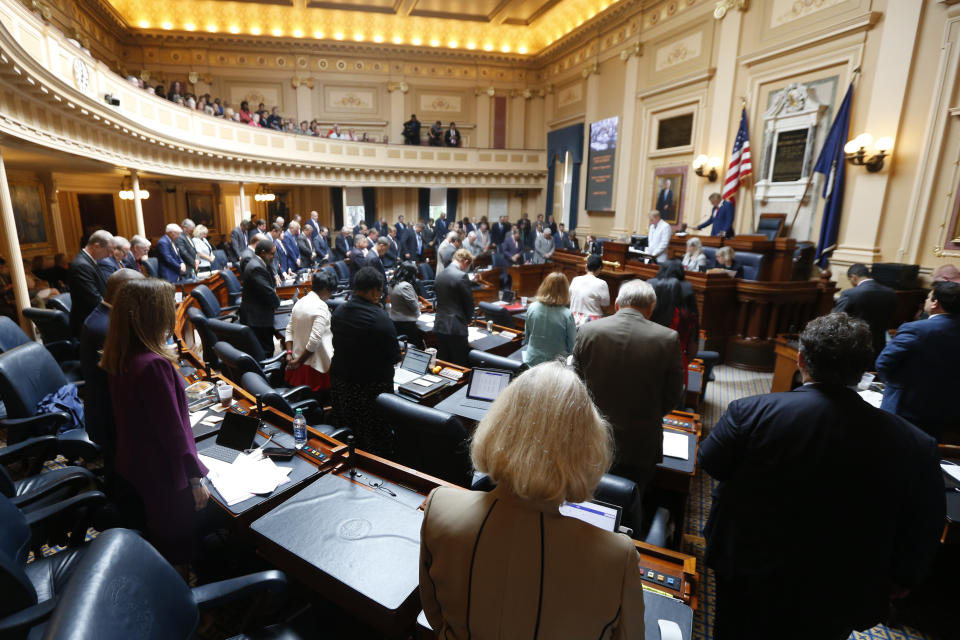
(156,453)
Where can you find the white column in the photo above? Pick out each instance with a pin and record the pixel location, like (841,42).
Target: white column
(397,117)
(14,257)
(483,122)
(242,214)
(625,210)
(137,203)
(304,106)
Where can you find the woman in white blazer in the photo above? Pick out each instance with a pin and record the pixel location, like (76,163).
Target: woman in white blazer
(309,339)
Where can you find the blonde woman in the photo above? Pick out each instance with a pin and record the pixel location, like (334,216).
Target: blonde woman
(549,329)
(694,259)
(204,249)
(506,563)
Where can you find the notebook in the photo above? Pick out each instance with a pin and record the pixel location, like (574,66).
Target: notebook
(236,435)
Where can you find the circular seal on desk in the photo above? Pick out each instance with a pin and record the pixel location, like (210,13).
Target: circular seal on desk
(355,528)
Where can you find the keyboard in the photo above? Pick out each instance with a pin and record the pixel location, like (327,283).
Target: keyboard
(476,404)
(220,452)
(403,376)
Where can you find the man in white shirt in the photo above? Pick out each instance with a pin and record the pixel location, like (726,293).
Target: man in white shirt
(589,294)
(658,237)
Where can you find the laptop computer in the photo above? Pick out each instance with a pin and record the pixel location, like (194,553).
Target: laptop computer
(599,514)
(237,434)
(414,364)
(485,385)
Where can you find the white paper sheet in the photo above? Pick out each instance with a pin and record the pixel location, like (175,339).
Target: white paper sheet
(474,334)
(873,397)
(952,469)
(244,478)
(197,417)
(675,445)
(669,630)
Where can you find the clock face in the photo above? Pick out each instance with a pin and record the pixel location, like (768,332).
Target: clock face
(81,75)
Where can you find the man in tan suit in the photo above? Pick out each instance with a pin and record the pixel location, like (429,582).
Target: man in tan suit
(633,369)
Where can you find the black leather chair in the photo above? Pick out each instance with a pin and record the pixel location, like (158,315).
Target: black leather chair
(234,289)
(12,336)
(343,273)
(27,374)
(154,601)
(284,401)
(491,361)
(54,328)
(242,337)
(60,302)
(31,591)
(427,439)
(752,264)
(711,253)
(152,265)
(427,274)
(235,363)
(207,338)
(209,304)
(220,260)
(498,314)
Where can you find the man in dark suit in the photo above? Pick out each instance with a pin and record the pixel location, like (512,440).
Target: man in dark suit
(87,284)
(816,478)
(250,251)
(188,252)
(239,237)
(919,364)
(281,258)
(499,231)
(721,217)
(308,255)
(392,256)
(452,137)
(290,236)
(170,264)
(358,255)
(411,130)
(382,226)
(375,256)
(634,404)
(342,245)
(129,261)
(414,244)
(428,233)
(454,309)
(114,261)
(139,249)
(260,298)
(321,245)
(441,226)
(561,239)
(870,301)
(313,221)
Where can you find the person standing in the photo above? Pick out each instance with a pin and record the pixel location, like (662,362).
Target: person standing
(511,248)
(308,338)
(870,301)
(188,253)
(452,136)
(798,471)
(561,239)
(658,237)
(499,232)
(721,217)
(919,364)
(454,309)
(294,259)
(411,130)
(203,248)
(113,262)
(435,136)
(170,265)
(308,256)
(342,244)
(87,284)
(260,299)
(589,294)
(441,227)
(549,330)
(635,404)
(543,247)
(405,303)
(365,351)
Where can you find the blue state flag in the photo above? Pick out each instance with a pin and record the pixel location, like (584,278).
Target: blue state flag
(832,164)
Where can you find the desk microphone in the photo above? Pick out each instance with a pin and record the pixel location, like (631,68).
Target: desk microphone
(260,407)
(351,459)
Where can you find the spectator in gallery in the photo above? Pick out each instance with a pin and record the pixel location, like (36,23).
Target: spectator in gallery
(411,130)
(246,117)
(275,120)
(452,136)
(335,133)
(175,92)
(435,137)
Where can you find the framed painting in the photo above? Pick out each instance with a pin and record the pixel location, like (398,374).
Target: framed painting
(200,208)
(668,188)
(30,212)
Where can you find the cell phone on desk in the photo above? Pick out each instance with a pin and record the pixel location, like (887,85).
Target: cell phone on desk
(279,453)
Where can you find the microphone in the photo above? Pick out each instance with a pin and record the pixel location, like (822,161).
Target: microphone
(351,456)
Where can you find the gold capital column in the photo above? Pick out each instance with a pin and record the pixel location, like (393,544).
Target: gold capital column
(14,257)
(137,203)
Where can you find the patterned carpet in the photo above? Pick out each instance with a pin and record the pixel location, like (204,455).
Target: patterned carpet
(731,384)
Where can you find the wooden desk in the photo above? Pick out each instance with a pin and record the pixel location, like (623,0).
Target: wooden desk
(778,253)
(786,373)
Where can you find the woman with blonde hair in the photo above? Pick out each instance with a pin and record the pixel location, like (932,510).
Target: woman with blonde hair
(506,564)
(549,329)
(203,247)
(155,452)
(694,259)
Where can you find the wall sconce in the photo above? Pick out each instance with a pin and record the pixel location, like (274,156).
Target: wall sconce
(264,196)
(863,151)
(126,191)
(706,168)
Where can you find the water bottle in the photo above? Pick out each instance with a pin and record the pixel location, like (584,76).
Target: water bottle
(299,429)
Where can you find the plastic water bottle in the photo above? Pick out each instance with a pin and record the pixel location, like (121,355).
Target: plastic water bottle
(299,429)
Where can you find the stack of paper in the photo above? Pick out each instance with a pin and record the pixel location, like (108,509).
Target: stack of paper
(474,334)
(675,445)
(873,397)
(249,475)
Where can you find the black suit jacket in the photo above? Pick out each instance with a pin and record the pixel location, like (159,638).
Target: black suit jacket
(87,288)
(245,256)
(816,477)
(238,242)
(409,246)
(454,302)
(341,247)
(260,298)
(188,253)
(875,304)
(306,251)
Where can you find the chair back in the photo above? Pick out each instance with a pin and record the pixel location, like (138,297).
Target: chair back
(771,225)
(53,325)
(27,374)
(152,265)
(625,494)
(234,290)
(235,363)
(207,338)
(207,301)
(752,264)
(426,272)
(498,314)
(334,303)
(256,385)
(18,592)
(60,302)
(711,253)
(239,335)
(11,335)
(122,588)
(219,260)
(343,271)
(484,359)
(427,439)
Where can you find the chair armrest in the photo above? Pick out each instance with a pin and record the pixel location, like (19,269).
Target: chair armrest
(657,534)
(19,429)
(277,359)
(70,515)
(18,624)
(290,394)
(210,596)
(42,447)
(229,309)
(308,405)
(75,444)
(79,478)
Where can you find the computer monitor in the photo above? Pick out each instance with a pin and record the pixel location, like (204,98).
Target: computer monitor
(416,361)
(486,384)
(599,514)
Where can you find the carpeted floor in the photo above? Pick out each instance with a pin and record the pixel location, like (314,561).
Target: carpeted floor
(729,385)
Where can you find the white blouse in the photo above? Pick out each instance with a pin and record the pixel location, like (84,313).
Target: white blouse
(588,295)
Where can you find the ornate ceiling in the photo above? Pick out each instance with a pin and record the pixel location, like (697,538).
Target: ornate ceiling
(519,27)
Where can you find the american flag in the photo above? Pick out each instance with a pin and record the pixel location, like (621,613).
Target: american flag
(740,166)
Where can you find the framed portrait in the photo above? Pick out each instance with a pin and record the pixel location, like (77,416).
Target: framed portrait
(200,208)
(668,186)
(30,212)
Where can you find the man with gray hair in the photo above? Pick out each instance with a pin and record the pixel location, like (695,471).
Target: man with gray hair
(139,247)
(87,282)
(188,252)
(170,264)
(633,369)
(114,262)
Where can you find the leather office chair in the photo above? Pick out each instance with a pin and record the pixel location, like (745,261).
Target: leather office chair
(491,361)
(711,253)
(207,338)
(27,374)
(752,264)
(54,328)
(771,225)
(343,273)
(242,337)
(30,591)
(235,363)
(803,256)
(60,302)
(426,273)
(209,305)
(12,336)
(427,439)
(152,267)
(234,289)
(220,260)
(155,602)
(498,314)
(283,400)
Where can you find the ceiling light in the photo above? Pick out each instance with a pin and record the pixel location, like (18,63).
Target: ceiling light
(488,47)
(434,43)
(144,24)
(277,32)
(358,37)
(378,38)
(471,45)
(167,25)
(397,40)
(298,33)
(338,36)
(212,28)
(318,34)
(234,29)
(190,26)
(255,31)
(453,44)
(522,50)
(416,42)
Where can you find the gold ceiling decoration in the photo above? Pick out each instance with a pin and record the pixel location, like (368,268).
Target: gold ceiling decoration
(519,27)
